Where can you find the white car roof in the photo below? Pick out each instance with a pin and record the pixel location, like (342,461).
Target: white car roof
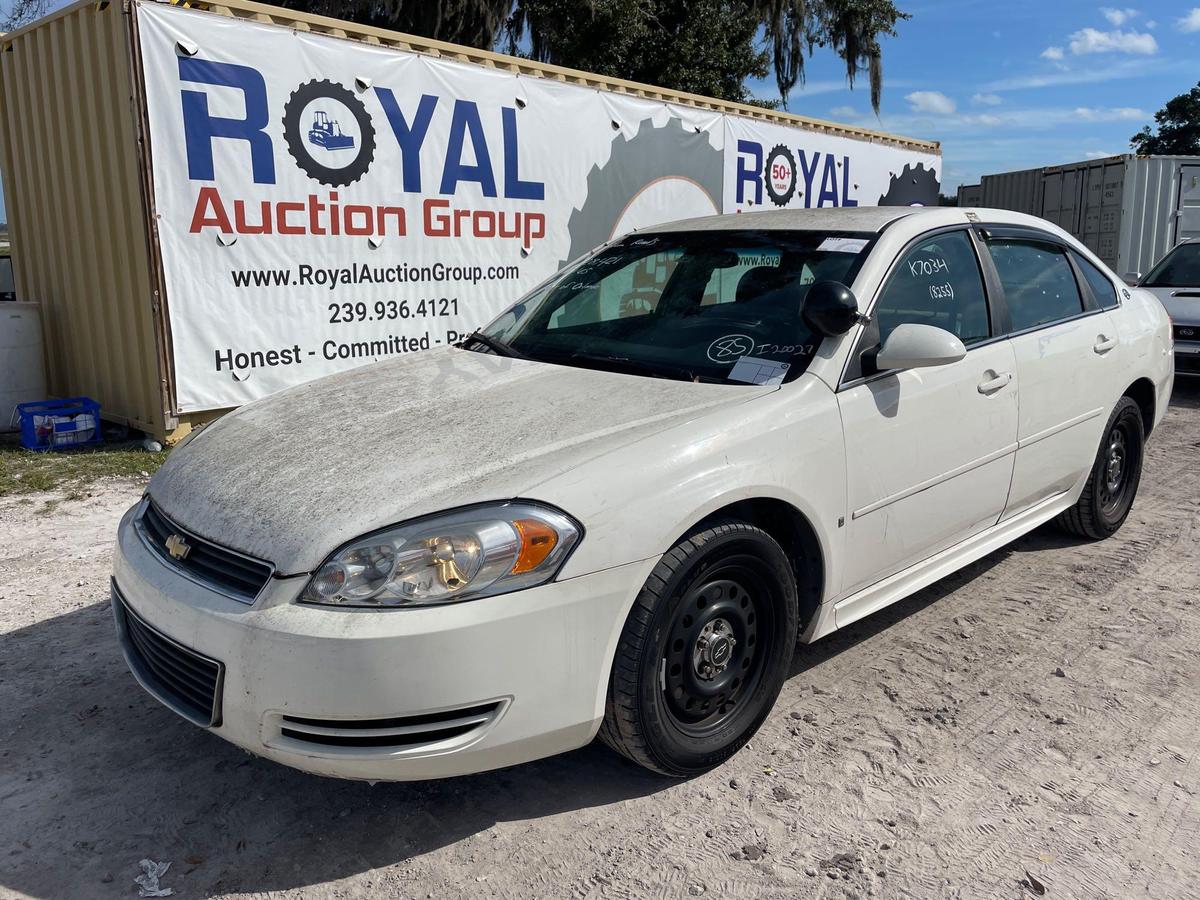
(870,219)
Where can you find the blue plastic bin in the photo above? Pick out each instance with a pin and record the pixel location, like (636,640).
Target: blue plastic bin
(60,424)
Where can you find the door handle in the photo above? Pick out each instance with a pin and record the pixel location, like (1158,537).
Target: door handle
(991,384)
(1104,344)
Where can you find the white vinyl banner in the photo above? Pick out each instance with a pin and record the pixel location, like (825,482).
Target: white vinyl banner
(323,203)
(771,166)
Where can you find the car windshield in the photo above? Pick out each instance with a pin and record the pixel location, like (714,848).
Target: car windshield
(714,306)
(1179,268)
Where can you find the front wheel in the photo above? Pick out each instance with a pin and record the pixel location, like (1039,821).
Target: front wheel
(704,651)
(1108,495)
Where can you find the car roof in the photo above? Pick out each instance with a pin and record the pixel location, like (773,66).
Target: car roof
(863,219)
(853,218)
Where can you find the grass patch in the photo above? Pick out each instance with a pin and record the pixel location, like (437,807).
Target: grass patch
(73,472)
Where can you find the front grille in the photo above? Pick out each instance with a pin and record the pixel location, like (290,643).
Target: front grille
(1187,363)
(238,576)
(399,732)
(1187,332)
(183,679)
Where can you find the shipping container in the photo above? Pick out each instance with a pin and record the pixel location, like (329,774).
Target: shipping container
(970,195)
(212,201)
(1129,210)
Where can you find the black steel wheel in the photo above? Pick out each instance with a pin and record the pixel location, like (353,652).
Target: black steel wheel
(704,651)
(1112,486)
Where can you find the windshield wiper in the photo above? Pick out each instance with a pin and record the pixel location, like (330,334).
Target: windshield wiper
(657,370)
(497,346)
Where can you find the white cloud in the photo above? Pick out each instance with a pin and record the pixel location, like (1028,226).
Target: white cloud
(1118,17)
(1190,23)
(1151,25)
(843,112)
(1114,71)
(987,99)
(1052,53)
(1090,40)
(1098,154)
(1012,122)
(933,102)
(1112,114)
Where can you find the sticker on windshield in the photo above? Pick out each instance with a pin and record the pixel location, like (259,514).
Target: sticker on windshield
(751,370)
(726,350)
(843,245)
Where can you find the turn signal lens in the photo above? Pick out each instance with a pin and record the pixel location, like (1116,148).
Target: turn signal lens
(537,541)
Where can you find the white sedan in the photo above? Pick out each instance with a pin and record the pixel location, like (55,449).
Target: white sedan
(616,509)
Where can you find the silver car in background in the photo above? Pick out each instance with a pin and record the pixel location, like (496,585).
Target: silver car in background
(1176,282)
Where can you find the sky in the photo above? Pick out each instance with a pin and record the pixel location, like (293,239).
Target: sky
(1017,84)
(1014,84)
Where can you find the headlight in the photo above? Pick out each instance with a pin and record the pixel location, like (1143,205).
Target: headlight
(461,555)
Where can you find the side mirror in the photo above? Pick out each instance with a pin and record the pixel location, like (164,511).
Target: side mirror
(1132,278)
(913,346)
(830,308)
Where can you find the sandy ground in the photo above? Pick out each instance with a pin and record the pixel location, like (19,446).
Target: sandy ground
(1036,713)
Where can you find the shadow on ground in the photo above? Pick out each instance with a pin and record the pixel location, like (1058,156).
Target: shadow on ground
(87,750)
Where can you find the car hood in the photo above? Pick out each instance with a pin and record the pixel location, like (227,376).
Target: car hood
(1182,304)
(290,478)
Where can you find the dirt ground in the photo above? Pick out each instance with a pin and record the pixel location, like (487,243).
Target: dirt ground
(1035,713)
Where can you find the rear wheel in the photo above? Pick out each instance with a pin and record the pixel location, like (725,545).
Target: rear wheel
(704,651)
(1108,495)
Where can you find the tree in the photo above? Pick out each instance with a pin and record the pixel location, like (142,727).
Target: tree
(475,23)
(22,12)
(702,47)
(709,46)
(1178,125)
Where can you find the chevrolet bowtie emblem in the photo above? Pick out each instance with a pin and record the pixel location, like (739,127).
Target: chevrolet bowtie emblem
(177,546)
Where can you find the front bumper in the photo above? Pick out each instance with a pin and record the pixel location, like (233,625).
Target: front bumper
(1187,356)
(470,686)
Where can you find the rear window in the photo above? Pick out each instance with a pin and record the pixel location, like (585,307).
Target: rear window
(1101,284)
(1039,284)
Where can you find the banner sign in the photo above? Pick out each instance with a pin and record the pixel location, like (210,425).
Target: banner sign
(323,203)
(776,167)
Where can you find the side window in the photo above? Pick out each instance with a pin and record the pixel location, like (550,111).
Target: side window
(1039,284)
(1102,287)
(936,283)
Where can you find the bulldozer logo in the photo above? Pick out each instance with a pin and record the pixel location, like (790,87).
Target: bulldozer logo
(327,133)
(338,145)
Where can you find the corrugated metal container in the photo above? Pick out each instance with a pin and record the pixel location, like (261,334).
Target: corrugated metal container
(1019,191)
(1129,210)
(970,195)
(77,187)
(73,188)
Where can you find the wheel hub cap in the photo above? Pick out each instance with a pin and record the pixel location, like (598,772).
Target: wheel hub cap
(1116,465)
(713,649)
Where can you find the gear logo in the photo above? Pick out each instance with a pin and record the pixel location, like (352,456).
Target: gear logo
(779,176)
(914,186)
(667,163)
(328,133)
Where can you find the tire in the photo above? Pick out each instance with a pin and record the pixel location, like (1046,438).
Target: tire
(704,651)
(1112,485)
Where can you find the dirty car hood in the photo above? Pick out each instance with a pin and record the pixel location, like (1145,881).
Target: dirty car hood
(290,478)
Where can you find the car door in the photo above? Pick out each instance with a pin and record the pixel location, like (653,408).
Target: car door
(1063,342)
(929,452)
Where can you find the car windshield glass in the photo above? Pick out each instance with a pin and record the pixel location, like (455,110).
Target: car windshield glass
(1179,268)
(715,306)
